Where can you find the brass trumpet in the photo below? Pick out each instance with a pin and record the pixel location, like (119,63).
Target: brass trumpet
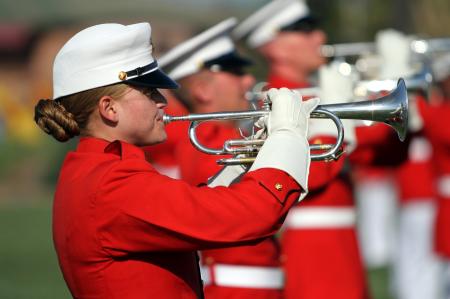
(391,109)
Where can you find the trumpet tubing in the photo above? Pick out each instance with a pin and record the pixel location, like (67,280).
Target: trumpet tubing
(422,46)
(391,109)
(420,82)
(347,49)
(419,46)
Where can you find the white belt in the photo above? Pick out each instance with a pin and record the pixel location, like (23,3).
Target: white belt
(324,217)
(243,276)
(443,186)
(420,150)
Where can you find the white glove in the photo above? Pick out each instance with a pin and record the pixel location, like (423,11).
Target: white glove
(286,147)
(227,175)
(289,112)
(335,87)
(394,49)
(336,83)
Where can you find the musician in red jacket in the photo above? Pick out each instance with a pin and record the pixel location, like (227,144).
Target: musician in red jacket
(319,244)
(220,83)
(436,117)
(415,261)
(121,229)
(409,215)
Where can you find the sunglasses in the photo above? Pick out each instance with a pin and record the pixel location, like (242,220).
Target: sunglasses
(303,26)
(150,92)
(234,70)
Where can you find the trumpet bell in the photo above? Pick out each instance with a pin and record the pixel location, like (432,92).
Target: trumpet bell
(396,113)
(391,109)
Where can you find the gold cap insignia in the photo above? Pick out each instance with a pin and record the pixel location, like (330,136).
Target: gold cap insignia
(122,75)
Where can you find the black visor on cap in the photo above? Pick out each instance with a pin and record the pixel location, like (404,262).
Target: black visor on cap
(228,61)
(306,24)
(232,63)
(155,79)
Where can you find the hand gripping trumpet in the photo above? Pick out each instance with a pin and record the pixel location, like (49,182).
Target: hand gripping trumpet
(391,109)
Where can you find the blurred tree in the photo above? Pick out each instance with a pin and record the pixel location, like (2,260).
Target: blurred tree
(360,20)
(432,18)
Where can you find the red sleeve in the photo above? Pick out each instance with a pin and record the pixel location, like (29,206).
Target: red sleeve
(165,214)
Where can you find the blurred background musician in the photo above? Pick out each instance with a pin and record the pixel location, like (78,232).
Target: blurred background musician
(319,243)
(436,118)
(213,78)
(415,267)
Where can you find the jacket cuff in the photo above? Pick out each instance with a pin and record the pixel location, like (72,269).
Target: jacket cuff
(288,152)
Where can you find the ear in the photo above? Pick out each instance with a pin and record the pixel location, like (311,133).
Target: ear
(278,53)
(108,109)
(269,50)
(275,50)
(203,91)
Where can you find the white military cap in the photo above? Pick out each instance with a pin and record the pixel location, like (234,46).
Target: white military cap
(262,26)
(106,54)
(212,49)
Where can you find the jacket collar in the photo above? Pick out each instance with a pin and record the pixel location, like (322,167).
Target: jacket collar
(120,148)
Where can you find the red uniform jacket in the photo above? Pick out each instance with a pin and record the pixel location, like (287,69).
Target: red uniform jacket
(378,145)
(415,177)
(322,262)
(378,151)
(196,167)
(436,125)
(122,230)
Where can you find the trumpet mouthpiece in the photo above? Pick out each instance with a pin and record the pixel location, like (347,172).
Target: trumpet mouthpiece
(167,119)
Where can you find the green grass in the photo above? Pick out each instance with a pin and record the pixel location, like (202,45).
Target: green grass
(28,264)
(378,280)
